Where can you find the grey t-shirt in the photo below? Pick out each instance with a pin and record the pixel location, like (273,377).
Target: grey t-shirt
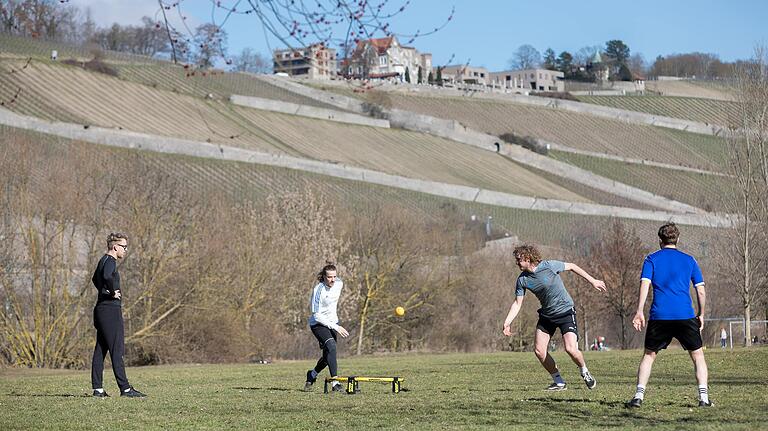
(547,285)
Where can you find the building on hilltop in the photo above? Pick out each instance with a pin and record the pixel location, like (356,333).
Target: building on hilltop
(463,73)
(315,61)
(529,79)
(384,58)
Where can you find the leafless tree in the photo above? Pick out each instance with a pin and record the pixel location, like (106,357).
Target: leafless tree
(525,57)
(618,258)
(746,254)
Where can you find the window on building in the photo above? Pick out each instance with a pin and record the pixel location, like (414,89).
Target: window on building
(382,60)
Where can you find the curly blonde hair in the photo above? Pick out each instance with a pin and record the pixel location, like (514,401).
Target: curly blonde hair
(527,252)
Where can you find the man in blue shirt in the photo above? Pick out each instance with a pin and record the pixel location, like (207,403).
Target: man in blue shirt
(542,277)
(671,273)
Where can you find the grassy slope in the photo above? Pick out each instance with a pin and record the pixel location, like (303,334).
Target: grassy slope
(700,190)
(453,391)
(251,182)
(69,92)
(688,108)
(580,131)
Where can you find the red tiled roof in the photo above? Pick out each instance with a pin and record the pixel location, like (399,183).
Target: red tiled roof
(381,44)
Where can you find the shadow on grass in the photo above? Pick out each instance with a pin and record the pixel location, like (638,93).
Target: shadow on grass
(272,388)
(577,400)
(14,394)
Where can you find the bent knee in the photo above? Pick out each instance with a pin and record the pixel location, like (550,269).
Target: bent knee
(330,346)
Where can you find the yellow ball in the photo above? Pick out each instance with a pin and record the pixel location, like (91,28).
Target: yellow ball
(400,311)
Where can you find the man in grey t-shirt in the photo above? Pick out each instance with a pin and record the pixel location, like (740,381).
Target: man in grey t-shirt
(542,277)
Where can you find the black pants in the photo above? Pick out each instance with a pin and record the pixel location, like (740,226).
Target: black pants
(108,321)
(327,339)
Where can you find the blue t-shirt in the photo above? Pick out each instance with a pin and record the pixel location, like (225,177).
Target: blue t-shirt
(671,272)
(547,285)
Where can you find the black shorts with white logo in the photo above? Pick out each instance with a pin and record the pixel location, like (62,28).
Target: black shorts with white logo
(660,333)
(566,322)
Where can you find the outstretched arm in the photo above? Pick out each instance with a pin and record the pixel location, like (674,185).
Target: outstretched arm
(513,310)
(639,320)
(597,284)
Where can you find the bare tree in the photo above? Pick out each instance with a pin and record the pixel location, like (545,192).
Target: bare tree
(525,57)
(747,255)
(618,258)
(252,62)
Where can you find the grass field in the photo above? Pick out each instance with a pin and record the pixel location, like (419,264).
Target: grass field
(452,391)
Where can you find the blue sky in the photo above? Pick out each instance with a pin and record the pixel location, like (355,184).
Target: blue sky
(487,32)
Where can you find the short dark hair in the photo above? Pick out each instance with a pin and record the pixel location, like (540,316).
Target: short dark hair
(669,233)
(326,268)
(114,237)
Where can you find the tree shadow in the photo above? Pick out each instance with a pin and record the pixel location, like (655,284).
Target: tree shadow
(577,400)
(272,388)
(15,394)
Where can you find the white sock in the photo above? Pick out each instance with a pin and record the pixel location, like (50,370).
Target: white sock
(335,383)
(640,392)
(557,378)
(703,393)
(583,370)
(127,390)
(314,374)
(99,390)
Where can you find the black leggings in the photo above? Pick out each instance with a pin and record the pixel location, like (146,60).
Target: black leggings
(108,321)
(327,339)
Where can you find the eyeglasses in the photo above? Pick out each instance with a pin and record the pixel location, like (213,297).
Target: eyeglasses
(124,246)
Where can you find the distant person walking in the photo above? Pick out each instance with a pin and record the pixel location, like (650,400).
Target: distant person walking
(542,277)
(723,337)
(108,319)
(671,273)
(324,323)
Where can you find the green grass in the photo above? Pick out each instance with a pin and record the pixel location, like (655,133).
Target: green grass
(453,391)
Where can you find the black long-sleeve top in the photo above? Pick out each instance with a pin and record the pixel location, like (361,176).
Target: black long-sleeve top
(106,279)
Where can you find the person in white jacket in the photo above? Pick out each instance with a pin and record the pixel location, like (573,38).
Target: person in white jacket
(324,323)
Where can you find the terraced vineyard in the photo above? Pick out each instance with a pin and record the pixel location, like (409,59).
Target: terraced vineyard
(691,88)
(580,131)
(95,99)
(218,85)
(701,190)
(708,111)
(244,182)
(23,47)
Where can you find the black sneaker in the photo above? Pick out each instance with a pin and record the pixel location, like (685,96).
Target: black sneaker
(310,381)
(589,380)
(635,403)
(705,404)
(337,387)
(554,387)
(132,393)
(102,394)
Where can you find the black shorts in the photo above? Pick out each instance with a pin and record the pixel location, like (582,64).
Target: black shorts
(566,322)
(660,333)
(323,334)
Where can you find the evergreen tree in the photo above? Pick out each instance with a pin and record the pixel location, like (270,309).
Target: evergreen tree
(564,62)
(549,59)
(407,75)
(420,77)
(439,77)
(430,78)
